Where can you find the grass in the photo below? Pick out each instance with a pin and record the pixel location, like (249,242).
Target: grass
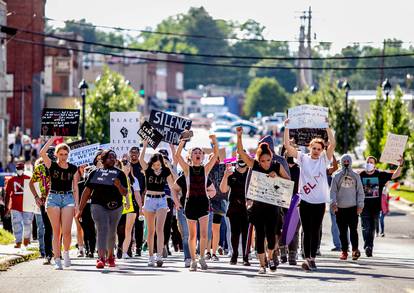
(404,192)
(6,237)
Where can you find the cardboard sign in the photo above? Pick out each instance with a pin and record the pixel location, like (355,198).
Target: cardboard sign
(394,149)
(152,135)
(29,203)
(303,136)
(60,122)
(169,126)
(83,155)
(77,144)
(124,131)
(216,175)
(104,176)
(275,191)
(222,153)
(308,116)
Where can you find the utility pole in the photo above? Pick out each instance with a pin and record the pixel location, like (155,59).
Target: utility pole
(305,79)
(382,63)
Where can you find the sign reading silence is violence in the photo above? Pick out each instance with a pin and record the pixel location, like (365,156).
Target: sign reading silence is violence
(60,122)
(169,126)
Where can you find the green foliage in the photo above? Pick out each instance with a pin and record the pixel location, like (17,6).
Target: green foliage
(329,95)
(110,94)
(6,237)
(265,95)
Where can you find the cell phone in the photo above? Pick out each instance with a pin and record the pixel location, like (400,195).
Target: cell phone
(186,135)
(233,169)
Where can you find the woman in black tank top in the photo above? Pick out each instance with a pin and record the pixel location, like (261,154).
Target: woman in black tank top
(263,216)
(197,204)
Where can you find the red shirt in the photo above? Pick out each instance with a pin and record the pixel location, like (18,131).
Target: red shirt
(14,192)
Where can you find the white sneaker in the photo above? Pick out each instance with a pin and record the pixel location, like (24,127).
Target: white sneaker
(66,259)
(203,263)
(151,261)
(187,262)
(193,267)
(58,264)
(125,256)
(160,261)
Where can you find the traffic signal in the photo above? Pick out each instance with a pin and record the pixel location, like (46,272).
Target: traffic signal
(142,91)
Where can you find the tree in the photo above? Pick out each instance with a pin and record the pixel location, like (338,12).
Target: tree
(110,94)
(374,129)
(265,95)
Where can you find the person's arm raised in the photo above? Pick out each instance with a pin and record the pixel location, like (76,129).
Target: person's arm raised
(332,144)
(240,150)
(212,161)
(183,164)
(142,162)
(43,152)
(291,151)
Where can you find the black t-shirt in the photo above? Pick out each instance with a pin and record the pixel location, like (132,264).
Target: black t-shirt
(156,182)
(274,167)
(61,179)
(237,197)
(137,170)
(373,185)
(182,183)
(107,196)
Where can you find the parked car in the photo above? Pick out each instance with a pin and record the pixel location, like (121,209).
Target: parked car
(248,127)
(227,117)
(223,134)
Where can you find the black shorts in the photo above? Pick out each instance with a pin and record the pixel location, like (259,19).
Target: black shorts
(196,207)
(217,218)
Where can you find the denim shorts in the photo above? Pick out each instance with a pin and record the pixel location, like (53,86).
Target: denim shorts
(154,204)
(55,200)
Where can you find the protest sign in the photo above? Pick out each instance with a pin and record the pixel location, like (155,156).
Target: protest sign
(77,144)
(104,176)
(29,203)
(222,153)
(216,175)
(83,155)
(124,131)
(308,116)
(169,126)
(60,122)
(275,191)
(152,135)
(394,148)
(303,136)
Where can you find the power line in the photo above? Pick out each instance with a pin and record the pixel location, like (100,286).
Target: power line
(209,64)
(13,30)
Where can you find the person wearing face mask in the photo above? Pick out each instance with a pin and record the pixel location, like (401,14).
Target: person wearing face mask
(313,190)
(21,221)
(263,216)
(157,174)
(347,202)
(373,181)
(197,202)
(235,181)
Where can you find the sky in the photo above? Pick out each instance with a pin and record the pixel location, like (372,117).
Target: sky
(340,22)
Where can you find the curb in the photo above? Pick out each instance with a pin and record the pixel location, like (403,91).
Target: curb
(17,258)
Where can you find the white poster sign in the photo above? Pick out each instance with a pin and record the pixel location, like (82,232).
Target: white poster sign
(394,148)
(308,116)
(29,203)
(83,155)
(275,191)
(124,131)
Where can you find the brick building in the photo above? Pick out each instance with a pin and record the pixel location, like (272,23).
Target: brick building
(25,65)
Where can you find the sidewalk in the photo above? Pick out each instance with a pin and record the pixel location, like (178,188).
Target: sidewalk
(10,256)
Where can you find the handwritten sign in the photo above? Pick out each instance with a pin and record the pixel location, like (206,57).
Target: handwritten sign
(394,148)
(308,116)
(29,203)
(303,136)
(83,155)
(104,176)
(151,134)
(275,191)
(60,122)
(124,128)
(169,126)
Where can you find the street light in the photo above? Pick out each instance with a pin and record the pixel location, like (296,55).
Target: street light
(83,87)
(386,87)
(346,87)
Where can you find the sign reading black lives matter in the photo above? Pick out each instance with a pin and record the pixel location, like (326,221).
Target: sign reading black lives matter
(104,176)
(60,122)
(275,191)
(303,136)
(124,131)
(169,126)
(152,135)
